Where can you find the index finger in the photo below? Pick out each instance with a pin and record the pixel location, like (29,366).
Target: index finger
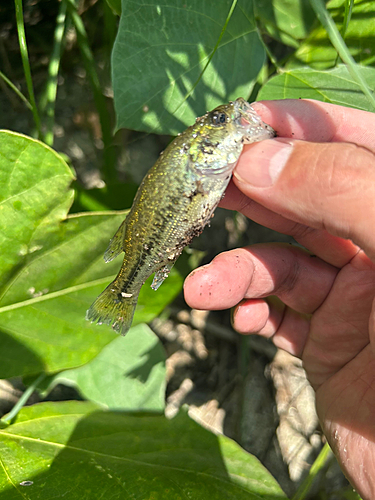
(333,249)
(318,121)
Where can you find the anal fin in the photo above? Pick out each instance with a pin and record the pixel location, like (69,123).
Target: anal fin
(115,245)
(161,275)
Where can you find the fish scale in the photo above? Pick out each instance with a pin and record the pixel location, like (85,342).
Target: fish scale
(174,202)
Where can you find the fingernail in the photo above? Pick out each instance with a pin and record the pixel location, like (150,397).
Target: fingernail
(262,164)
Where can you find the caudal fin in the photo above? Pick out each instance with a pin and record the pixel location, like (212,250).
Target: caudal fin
(114,308)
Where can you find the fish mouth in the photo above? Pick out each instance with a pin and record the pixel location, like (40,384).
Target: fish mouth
(254,128)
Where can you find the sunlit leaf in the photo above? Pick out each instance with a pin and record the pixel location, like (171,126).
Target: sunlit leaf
(286,20)
(74,450)
(317,50)
(129,373)
(161,51)
(335,86)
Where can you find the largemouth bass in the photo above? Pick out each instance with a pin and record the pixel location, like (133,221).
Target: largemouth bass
(174,202)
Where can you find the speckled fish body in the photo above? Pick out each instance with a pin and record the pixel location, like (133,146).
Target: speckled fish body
(174,202)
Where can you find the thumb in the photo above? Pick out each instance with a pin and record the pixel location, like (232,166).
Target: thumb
(323,185)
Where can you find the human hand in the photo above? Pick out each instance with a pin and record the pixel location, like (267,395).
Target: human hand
(322,192)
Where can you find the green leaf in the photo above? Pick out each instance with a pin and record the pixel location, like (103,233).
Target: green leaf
(286,20)
(115,6)
(35,195)
(342,50)
(317,50)
(335,86)
(128,374)
(74,450)
(161,50)
(52,267)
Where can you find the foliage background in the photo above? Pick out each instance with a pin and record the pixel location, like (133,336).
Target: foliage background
(99,89)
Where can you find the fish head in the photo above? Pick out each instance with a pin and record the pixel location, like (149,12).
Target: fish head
(219,135)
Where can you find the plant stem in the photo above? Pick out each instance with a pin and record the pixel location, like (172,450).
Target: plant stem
(48,100)
(339,44)
(110,28)
(319,463)
(23,399)
(16,90)
(26,63)
(108,170)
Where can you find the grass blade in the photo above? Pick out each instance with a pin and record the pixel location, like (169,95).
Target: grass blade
(16,90)
(23,399)
(48,100)
(88,60)
(26,64)
(347,16)
(320,462)
(339,44)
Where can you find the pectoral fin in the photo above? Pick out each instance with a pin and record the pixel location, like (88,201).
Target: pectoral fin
(115,245)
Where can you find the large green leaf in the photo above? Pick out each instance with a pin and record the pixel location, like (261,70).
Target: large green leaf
(317,50)
(51,266)
(335,86)
(286,20)
(35,195)
(128,374)
(74,450)
(161,50)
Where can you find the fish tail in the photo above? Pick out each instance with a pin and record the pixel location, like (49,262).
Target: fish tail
(114,307)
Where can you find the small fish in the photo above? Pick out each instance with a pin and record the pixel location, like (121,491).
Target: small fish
(174,202)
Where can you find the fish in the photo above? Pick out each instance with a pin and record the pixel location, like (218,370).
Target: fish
(173,204)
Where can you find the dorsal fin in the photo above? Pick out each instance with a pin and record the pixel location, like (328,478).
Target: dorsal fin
(115,245)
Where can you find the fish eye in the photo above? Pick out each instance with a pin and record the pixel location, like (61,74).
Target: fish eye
(218,118)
